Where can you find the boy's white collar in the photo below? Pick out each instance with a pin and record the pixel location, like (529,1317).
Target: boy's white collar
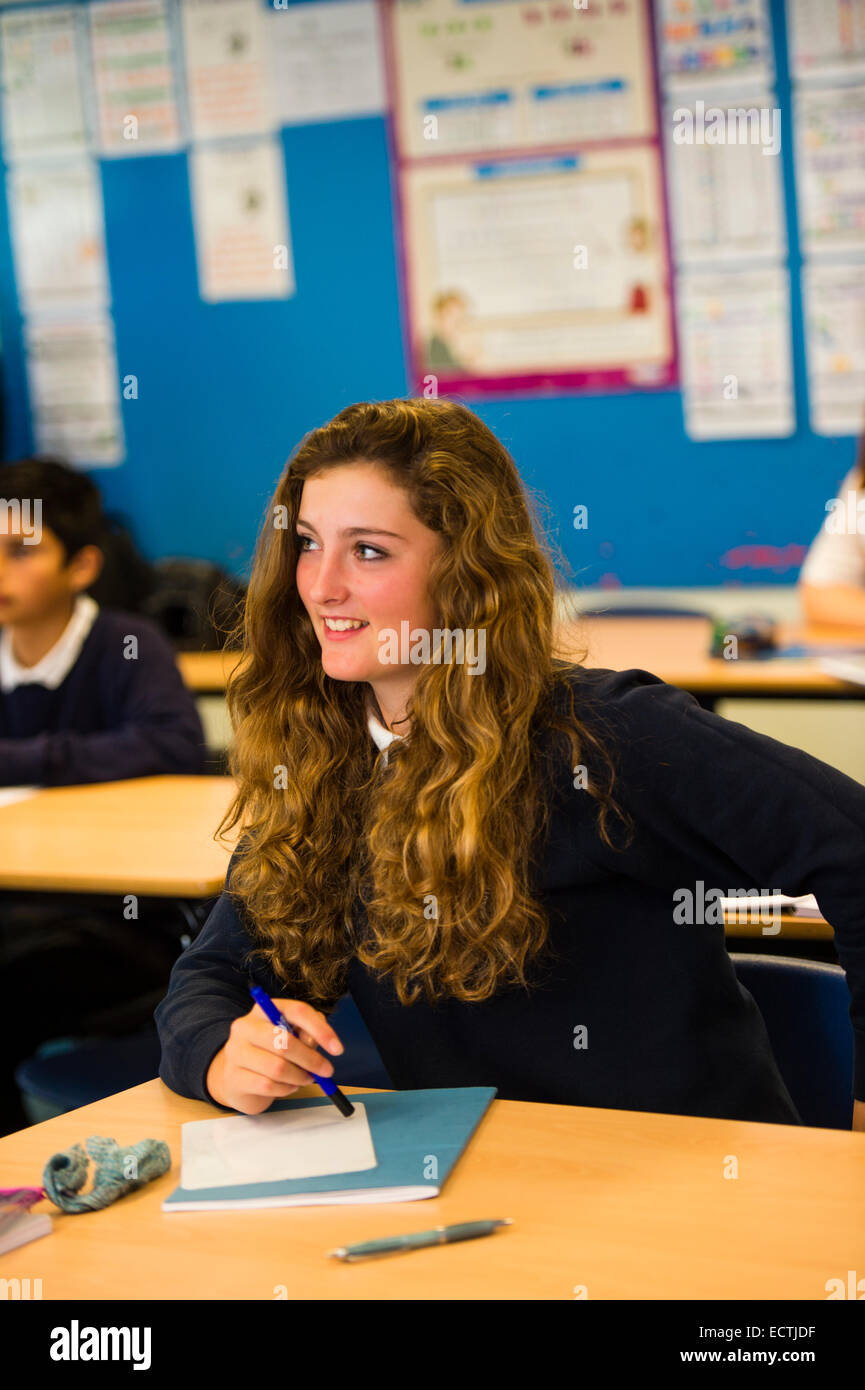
(56,664)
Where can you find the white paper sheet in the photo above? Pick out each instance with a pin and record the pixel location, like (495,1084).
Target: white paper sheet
(830,168)
(58,236)
(131,50)
(835,345)
(327,61)
(74,393)
(726,200)
(826,38)
(227,71)
(734,332)
(43,82)
(9,795)
(286,1144)
(240,213)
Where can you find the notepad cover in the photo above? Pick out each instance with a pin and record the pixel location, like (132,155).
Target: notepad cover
(418,1136)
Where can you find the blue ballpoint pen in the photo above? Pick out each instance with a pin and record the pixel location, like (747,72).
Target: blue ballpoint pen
(327,1084)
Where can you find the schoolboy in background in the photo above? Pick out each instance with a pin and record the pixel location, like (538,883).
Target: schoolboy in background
(86,695)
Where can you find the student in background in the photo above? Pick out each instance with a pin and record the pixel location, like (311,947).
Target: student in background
(86,695)
(832,579)
(495,850)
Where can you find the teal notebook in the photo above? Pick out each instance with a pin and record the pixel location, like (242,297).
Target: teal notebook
(408,1143)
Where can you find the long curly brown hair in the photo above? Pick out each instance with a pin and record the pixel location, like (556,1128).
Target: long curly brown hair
(439,841)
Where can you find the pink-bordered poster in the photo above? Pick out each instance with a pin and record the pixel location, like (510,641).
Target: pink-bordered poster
(530,196)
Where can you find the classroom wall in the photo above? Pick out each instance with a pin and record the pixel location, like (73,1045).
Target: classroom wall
(226,391)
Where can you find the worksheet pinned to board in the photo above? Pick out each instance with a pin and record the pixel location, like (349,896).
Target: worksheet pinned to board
(240,215)
(227,73)
(736,356)
(830,168)
(131,45)
(835,345)
(58,234)
(327,61)
(74,397)
(726,198)
(826,38)
(43,82)
(282,1145)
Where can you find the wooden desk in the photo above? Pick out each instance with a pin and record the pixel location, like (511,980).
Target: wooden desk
(206,673)
(675,649)
(149,835)
(793,928)
(631,1205)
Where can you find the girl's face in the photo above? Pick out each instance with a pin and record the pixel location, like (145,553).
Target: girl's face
(364,556)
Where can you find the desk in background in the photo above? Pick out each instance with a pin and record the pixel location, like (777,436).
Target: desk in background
(148,835)
(630,1204)
(675,649)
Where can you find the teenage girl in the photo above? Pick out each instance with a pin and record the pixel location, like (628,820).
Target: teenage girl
(513,870)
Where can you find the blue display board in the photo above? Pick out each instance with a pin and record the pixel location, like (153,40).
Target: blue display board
(226,391)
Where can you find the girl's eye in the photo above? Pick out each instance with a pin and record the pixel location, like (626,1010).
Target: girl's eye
(361,545)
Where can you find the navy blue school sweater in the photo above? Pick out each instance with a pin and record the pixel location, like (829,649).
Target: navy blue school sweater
(668,1027)
(112,717)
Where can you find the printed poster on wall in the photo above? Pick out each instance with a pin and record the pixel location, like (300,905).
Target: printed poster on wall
(531,201)
(73,386)
(227,68)
(736,362)
(492,75)
(241,221)
(57,228)
(826,39)
(726,199)
(44,99)
(133,69)
(547,272)
(834,303)
(830,168)
(707,42)
(327,61)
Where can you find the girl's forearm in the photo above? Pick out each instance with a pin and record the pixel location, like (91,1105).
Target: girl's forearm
(842,604)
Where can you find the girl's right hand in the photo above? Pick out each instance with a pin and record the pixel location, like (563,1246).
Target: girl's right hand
(261,1062)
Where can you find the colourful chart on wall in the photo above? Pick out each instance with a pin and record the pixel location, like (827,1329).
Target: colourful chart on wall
(714,41)
(736,353)
(533,231)
(835,341)
(506,74)
(830,168)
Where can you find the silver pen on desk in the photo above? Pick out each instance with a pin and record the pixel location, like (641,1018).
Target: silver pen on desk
(418,1240)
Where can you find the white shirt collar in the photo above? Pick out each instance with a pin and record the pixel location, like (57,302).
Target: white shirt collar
(56,664)
(383,737)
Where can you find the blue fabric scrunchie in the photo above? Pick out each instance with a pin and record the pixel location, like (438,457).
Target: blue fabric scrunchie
(117,1172)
